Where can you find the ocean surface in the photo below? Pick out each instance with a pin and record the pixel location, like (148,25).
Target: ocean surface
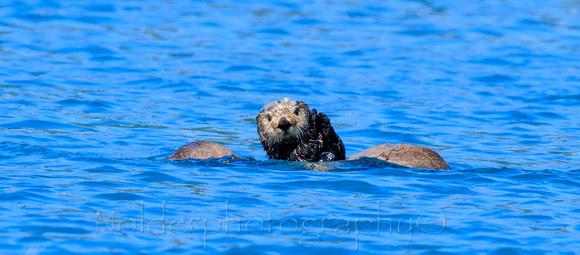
(95,94)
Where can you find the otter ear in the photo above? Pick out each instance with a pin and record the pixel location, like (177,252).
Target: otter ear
(258,117)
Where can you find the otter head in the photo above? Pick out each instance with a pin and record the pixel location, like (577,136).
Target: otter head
(281,125)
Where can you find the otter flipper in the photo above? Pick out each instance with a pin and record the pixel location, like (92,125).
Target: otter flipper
(331,142)
(309,147)
(200,150)
(405,155)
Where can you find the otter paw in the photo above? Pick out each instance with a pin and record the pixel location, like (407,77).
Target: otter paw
(331,141)
(312,121)
(307,150)
(311,143)
(327,157)
(323,125)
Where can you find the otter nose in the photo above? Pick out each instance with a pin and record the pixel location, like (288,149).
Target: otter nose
(284,124)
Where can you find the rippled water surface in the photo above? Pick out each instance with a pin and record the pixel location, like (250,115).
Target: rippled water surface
(95,94)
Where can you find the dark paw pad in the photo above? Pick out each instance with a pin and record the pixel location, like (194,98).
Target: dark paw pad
(313,116)
(323,124)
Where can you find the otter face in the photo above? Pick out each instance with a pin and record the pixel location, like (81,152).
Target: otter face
(282,122)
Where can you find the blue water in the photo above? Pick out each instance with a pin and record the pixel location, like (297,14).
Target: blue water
(95,94)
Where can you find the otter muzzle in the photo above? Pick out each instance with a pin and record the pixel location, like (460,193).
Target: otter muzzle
(284,124)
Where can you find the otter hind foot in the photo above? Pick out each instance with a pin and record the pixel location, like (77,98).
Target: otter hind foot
(405,155)
(200,150)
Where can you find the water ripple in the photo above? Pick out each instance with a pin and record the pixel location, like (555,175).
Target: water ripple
(121,196)
(95,95)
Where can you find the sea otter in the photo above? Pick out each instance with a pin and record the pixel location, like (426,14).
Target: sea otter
(289,130)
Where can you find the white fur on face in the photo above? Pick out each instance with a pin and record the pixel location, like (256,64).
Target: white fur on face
(297,113)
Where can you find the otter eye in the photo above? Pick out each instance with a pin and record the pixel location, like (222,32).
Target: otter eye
(269,117)
(297,110)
